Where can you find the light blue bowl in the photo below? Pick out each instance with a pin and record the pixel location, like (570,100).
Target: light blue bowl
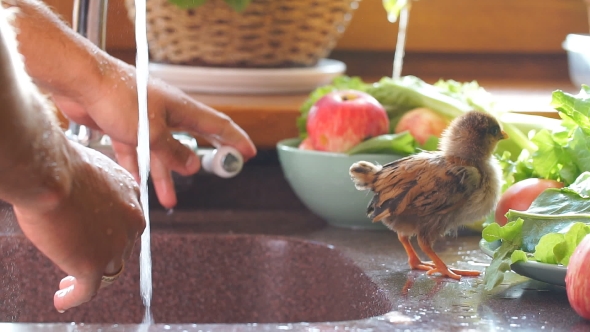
(322,183)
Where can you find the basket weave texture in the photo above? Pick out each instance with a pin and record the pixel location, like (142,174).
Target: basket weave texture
(269,33)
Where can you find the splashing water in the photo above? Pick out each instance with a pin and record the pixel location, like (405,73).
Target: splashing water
(143,155)
(398,59)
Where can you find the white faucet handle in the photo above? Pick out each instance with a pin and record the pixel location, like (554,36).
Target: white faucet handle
(225,161)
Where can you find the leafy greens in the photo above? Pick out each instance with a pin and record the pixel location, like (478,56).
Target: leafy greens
(448,98)
(563,152)
(558,219)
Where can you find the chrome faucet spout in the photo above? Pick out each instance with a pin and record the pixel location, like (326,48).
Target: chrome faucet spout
(89,19)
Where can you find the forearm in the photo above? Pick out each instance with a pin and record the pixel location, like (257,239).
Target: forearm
(33,163)
(55,57)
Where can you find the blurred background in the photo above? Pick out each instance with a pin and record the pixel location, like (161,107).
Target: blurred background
(459,39)
(511,48)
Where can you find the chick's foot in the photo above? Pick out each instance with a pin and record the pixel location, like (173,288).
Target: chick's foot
(453,273)
(441,267)
(413,260)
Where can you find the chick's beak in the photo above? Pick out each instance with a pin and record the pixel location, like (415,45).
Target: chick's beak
(504,135)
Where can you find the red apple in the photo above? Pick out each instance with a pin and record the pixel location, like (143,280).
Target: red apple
(521,195)
(422,123)
(342,119)
(306,144)
(577,279)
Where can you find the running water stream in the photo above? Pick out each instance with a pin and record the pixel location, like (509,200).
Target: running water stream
(143,155)
(398,60)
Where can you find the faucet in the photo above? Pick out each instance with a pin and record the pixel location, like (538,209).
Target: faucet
(89,19)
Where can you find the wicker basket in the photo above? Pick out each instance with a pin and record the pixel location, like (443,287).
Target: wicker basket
(269,33)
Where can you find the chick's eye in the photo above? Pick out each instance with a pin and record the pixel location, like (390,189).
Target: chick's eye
(495,130)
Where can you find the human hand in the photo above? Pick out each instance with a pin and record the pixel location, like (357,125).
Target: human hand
(112,108)
(92,230)
(95,89)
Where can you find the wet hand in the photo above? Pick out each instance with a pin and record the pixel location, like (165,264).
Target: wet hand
(89,232)
(113,106)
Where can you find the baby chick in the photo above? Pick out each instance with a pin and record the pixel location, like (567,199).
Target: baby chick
(430,194)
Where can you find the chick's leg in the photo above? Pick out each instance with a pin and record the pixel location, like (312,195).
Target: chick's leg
(413,259)
(440,266)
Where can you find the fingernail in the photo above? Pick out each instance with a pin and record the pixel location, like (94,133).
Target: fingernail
(63,292)
(61,311)
(68,278)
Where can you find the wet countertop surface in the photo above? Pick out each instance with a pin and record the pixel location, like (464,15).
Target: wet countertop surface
(417,301)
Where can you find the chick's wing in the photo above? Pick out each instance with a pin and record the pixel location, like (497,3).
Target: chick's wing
(421,185)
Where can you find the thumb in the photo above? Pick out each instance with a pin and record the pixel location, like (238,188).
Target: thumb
(74,293)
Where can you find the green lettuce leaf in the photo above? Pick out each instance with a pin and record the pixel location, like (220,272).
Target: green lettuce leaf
(401,144)
(548,231)
(431,144)
(581,185)
(578,149)
(564,250)
(563,152)
(544,249)
(554,211)
(471,93)
(509,232)
(511,237)
(575,107)
(518,256)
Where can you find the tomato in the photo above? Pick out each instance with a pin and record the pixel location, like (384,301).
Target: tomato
(520,196)
(577,279)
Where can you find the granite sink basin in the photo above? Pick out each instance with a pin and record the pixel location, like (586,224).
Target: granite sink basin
(202,278)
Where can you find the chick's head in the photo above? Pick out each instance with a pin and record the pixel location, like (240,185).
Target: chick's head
(473,136)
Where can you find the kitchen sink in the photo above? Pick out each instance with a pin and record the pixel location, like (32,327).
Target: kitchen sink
(202,278)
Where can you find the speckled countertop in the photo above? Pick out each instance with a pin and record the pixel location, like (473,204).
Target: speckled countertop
(412,301)
(238,267)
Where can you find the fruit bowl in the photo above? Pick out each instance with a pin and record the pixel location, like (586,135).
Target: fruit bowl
(322,183)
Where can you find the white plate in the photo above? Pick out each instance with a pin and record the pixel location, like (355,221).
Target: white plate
(549,273)
(248,80)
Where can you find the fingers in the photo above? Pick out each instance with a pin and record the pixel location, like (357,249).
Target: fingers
(191,115)
(175,155)
(163,183)
(75,292)
(127,157)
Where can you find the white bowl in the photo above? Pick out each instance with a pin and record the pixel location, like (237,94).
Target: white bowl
(578,53)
